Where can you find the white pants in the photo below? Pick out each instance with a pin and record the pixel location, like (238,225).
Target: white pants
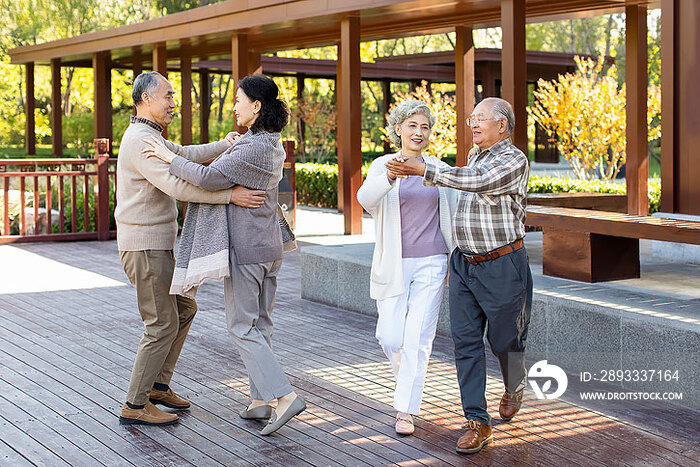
(406,327)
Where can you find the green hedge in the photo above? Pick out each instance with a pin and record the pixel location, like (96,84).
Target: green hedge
(317,185)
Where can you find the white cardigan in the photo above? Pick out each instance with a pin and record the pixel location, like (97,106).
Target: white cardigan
(380,198)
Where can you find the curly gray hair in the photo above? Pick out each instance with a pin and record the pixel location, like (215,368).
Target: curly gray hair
(400,113)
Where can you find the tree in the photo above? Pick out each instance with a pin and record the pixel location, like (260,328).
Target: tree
(584,114)
(442,106)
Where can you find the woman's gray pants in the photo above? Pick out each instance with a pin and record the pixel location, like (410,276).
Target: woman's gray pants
(249,295)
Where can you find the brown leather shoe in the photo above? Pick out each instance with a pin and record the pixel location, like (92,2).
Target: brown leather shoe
(148,415)
(476,437)
(510,404)
(169,399)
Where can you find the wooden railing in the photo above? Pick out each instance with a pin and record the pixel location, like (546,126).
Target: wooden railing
(77,188)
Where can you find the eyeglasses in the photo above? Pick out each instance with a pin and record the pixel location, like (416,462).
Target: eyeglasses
(478,120)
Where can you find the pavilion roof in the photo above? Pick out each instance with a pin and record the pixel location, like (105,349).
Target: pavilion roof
(205,32)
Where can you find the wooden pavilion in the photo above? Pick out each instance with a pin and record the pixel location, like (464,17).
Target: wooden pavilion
(241,30)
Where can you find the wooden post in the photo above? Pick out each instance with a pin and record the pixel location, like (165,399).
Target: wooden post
(464,79)
(339,117)
(301,81)
(56,111)
(160,64)
(386,105)
(514,66)
(239,65)
(254,63)
(102,116)
(204,106)
(102,187)
(669,110)
(349,122)
(637,169)
(186,93)
(30,105)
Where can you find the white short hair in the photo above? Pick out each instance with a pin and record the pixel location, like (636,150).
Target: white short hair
(401,112)
(502,109)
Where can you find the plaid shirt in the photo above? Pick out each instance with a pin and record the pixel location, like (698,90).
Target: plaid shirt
(491,208)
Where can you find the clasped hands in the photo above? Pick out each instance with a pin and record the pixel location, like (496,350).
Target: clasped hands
(402,167)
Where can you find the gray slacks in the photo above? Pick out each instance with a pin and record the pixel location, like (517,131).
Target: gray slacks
(499,292)
(249,295)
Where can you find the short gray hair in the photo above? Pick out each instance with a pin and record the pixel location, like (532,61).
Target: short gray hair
(400,113)
(145,82)
(502,109)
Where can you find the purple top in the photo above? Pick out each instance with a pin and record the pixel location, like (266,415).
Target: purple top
(420,219)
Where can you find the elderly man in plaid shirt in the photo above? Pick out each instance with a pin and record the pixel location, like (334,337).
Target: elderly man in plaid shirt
(490,280)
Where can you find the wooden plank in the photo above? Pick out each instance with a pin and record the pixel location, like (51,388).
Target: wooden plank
(614,224)
(596,201)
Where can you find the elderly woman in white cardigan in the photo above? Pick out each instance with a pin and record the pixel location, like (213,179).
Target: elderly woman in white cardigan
(413,228)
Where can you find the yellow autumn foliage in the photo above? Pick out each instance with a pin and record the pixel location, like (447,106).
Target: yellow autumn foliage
(442,106)
(583,113)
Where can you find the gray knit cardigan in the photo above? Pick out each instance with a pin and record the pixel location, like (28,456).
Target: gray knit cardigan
(210,231)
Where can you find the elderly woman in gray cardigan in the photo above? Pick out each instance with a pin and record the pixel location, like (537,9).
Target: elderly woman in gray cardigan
(254,238)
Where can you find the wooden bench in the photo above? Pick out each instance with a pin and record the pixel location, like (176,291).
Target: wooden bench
(581,200)
(594,246)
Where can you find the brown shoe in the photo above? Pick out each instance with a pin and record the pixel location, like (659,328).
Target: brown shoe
(148,415)
(169,399)
(476,437)
(510,404)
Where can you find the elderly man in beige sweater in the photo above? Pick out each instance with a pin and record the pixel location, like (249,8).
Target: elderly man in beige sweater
(146,216)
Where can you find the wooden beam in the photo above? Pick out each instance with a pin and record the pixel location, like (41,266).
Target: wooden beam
(29,106)
(204,106)
(186,98)
(349,122)
(56,110)
(637,169)
(514,66)
(102,116)
(464,80)
(669,96)
(239,65)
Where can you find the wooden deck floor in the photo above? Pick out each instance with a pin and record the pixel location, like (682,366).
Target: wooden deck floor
(68,333)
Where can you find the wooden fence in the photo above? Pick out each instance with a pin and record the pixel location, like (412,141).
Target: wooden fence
(79,189)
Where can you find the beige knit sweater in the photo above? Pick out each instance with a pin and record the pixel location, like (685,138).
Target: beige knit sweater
(146,212)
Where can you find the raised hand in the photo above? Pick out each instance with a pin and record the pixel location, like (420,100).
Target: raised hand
(157,149)
(232,137)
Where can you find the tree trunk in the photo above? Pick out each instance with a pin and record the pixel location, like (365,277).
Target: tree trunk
(67,108)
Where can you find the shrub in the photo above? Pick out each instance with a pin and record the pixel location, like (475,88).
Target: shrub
(317,185)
